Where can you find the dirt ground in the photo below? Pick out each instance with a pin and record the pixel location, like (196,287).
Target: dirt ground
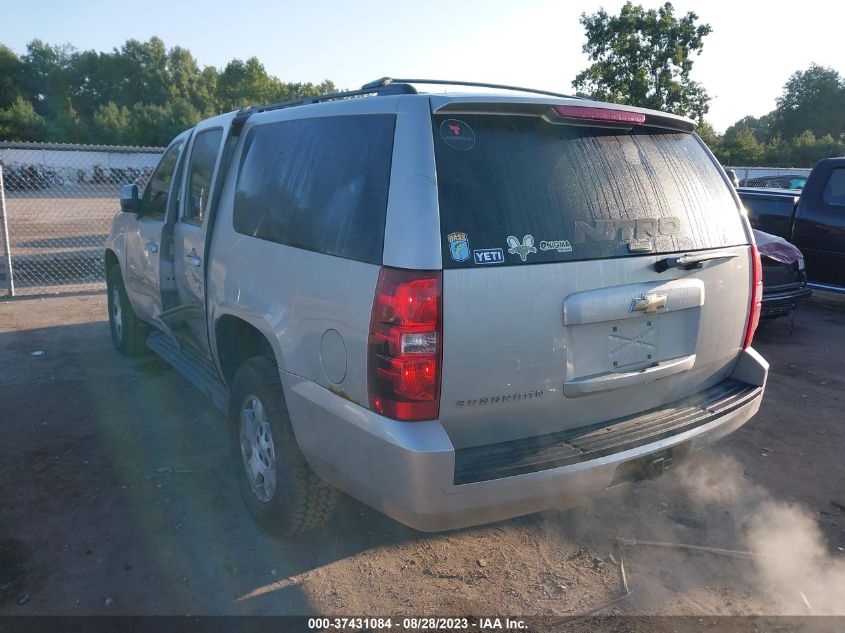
(116,497)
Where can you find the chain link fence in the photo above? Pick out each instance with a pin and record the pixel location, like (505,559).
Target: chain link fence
(57,202)
(771,177)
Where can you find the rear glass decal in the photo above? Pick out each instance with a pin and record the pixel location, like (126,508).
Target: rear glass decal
(642,235)
(581,185)
(458,246)
(521,248)
(457,134)
(561,246)
(488,256)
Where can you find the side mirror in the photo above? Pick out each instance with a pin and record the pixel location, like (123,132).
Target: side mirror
(129,200)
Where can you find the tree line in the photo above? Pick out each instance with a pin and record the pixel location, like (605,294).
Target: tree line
(139,94)
(144,94)
(644,58)
(807,125)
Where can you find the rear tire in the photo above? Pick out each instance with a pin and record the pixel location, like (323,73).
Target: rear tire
(127,333)
(281,492)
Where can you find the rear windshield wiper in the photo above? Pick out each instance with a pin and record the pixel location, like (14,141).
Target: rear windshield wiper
(688,262)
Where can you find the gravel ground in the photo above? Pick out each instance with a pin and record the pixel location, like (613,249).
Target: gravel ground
(116,497)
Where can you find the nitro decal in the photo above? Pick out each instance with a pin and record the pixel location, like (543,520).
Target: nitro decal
(488,256)
(458,246)
(561,246)
(524,248)
(642,231)
(457,134)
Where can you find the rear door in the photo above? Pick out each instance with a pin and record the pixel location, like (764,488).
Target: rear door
(820,226)
(189,235)
(144,244)
(553,235)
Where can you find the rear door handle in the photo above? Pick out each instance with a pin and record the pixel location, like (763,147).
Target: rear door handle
(151,247)
(192,258)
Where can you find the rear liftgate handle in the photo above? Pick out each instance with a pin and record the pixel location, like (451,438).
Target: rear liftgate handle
(613,380)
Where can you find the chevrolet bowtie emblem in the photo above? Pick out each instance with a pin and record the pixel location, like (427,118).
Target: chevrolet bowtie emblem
(649,303)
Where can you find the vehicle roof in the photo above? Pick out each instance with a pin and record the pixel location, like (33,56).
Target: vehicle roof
(446,101)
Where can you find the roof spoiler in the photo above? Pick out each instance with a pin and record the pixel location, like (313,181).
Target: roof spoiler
(547,111)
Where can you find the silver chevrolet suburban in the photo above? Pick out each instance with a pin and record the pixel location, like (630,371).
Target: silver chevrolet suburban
(455,307)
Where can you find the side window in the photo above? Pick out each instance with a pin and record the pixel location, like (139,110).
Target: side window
(203,157)
(318,184)
(157,191)
(834,191)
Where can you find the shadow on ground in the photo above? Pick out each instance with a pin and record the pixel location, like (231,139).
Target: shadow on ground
(117,488)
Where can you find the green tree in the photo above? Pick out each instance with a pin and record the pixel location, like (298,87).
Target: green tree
(141,93)
(644,58)
(245,83)
(145,74)
(11,74)
(95,79)
(743,148)
(45,82)
(813,99)
(709,135)
(20,122)
(67,126)
(112,124)
(761,127)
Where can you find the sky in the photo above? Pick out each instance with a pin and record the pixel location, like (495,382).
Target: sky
(753,49)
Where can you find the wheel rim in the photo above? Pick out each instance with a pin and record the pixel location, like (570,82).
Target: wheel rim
(257,450)
(116,314)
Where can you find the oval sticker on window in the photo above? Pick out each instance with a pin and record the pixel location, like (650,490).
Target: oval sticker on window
(457,134)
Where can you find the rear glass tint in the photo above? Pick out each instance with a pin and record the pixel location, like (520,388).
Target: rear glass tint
(517,190)
(319,184)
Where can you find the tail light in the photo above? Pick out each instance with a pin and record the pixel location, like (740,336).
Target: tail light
(406,344)
(756,296)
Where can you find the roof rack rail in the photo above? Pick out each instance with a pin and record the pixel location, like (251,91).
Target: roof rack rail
(383,90)
(387,81)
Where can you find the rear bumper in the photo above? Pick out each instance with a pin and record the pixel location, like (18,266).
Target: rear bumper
(408,470)
(779,302)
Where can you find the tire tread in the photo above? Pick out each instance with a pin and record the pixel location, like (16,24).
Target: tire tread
(310,500)
(134,333)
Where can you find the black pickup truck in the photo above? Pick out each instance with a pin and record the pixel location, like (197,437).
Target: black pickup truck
(812,219)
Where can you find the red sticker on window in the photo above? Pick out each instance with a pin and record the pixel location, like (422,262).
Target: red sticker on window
(457,134)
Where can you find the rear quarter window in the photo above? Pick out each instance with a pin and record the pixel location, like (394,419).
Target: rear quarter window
(520,190)
(834,190)
(757,207)
(319,184)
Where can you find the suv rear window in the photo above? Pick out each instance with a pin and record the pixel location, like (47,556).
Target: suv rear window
(516,189)
(320,184)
